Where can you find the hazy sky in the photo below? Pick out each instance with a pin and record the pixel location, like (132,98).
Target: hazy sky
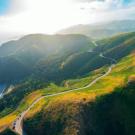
(49,16)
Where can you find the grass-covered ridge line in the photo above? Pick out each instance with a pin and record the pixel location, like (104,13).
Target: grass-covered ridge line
(117,47)
(51,89)
(117,78)
(78,112)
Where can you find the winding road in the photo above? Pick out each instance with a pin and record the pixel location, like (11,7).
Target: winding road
(17,124)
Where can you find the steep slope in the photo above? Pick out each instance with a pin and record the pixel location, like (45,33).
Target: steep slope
(106,108)
(122,43)
(112,114)
(102,30)
(63,112)
(24,54)
(76,65)
(59,57)
(115,47)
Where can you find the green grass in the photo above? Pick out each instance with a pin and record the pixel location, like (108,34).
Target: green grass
(111,111)
(81,82)
(106,85)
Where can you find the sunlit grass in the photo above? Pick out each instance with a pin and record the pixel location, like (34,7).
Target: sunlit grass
(7,121)
(29,100)
(81,82)
(124,70)
(37,108)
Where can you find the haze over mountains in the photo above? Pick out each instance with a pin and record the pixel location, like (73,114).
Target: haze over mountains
(102,29)
(95,31)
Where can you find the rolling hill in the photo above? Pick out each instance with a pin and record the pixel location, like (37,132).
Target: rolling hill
(115,47)
(23,55)
(56,68)
(58,57)
(80,112)
(74,61)
(106,108)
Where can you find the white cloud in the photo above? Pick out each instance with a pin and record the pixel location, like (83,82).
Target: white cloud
(105,10)
(48,16)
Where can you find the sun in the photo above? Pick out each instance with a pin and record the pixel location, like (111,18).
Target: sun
(45,16)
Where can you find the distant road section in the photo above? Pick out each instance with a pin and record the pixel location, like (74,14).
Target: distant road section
(17,125)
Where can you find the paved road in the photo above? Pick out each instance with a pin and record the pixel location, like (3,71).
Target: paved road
(111,59)
(18,123)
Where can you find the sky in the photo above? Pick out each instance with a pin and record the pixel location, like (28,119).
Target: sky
(50,16)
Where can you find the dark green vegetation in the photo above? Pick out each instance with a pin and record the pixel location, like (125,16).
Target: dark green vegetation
(102,30)
(35,61)
(111,114)
(19,59)
(11,101)
(8,132)
(54,59)
(116,47)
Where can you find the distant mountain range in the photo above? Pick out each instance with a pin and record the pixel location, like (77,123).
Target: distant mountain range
(20,58)
(58,57)
(102,30)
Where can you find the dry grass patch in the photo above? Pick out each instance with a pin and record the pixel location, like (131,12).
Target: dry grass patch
(6,121)
(37,108)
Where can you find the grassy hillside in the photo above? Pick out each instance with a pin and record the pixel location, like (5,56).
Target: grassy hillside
(115,47)
(59,57)
(112,114)
(22,102)
(109,114)
(106,107)
(63,112)
(56,68)
(23,55)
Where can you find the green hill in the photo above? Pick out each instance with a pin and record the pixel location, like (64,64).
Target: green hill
(115,47)
(105,108)
(23,55)
(58,57)
(56,68)
(53,64)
